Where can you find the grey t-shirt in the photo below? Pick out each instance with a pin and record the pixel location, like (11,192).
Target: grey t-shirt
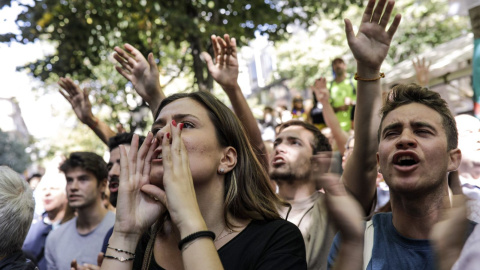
(65,244)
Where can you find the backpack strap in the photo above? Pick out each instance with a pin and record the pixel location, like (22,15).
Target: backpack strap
(368,243)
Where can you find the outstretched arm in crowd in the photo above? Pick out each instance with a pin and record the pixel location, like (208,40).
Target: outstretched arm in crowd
(83,109)
(225,72)
(369,47)
(322,94)
(449,234)
(345,213)
(141,73)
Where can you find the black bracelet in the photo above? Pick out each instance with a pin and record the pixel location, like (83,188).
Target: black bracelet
(194,236)
(121,259)
(121,250)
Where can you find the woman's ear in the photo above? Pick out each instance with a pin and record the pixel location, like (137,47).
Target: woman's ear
(228,160)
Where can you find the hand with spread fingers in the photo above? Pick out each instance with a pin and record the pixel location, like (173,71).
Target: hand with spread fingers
(143,74)
(83,108)
(422,71)
(370,45)
(137,210)
(225,69)
(78,99)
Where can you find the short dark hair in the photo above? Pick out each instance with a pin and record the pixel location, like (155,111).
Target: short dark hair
(320,142)
(337,59)
(123,138)
(35,175)
(87,161)
(404,94)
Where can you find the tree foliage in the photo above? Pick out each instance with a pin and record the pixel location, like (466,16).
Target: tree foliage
(12,152)
(85,32)
(425,24)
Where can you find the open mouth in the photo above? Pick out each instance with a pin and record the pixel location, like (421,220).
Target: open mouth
(113,183)
(278,160)
(405,159)
(157,155)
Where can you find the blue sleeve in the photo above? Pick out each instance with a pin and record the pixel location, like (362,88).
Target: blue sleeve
(106,239)
(332,255)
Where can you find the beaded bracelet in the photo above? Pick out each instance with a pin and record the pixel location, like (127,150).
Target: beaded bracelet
(358,78)
(121,259)
(121,250)
(194,236)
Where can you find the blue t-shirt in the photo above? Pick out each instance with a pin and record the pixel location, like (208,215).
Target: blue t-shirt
(393,251)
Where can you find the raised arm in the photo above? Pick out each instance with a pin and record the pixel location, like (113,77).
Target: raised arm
(448,236)
(83,109)
(141,73)
(347,216)
(369,47)
(321,93)
(225,72)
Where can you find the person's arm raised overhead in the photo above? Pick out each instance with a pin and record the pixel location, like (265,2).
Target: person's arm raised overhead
(225,72)
(347,216)
(448,236)
(141,73)
(369,47)
(320,91)
(83,108)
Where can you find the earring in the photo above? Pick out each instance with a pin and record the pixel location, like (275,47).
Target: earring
(222,170)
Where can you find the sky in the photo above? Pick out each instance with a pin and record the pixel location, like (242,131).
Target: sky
(41,112)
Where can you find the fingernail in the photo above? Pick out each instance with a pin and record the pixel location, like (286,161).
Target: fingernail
(174,123)
(181,126)
(168,135)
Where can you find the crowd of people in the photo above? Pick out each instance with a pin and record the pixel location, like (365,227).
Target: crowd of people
(393,184)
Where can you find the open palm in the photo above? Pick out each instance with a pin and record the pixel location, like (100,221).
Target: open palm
(225,69)
(370,45)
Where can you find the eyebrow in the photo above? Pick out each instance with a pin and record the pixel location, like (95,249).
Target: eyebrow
(175,117)
(416,124)
(420,124)
(393,126)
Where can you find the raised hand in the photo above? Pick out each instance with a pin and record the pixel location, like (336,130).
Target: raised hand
(320,90)
(370,45)
(136,210)
(78,99)
(225,69)
(422,71)
(141,73)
